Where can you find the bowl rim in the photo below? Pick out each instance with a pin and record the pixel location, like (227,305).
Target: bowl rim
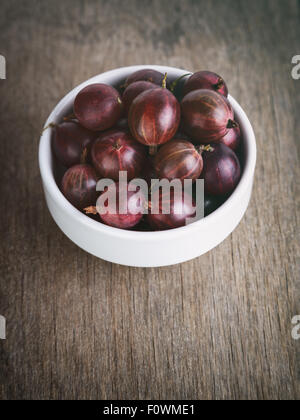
(53,190)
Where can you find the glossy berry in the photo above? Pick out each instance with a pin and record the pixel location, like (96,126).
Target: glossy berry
(71,143)
(98,107)
(205,80)
(133,90)
(117,151)
(178,159)
(154,117)
(233,137)
(79,186)
(221,170)
(207,116)
(147,75)
(180,210)
(129,219)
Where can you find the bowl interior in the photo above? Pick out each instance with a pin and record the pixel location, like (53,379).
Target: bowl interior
(115,78)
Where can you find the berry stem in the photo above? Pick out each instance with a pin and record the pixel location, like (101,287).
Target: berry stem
(90,210)
(83,157)
(219,84)
(70,117)
(175,83)
(164,82)
(232,124)
(51,125)
(204,148)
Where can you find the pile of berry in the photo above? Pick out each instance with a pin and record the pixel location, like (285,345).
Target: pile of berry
(151,128)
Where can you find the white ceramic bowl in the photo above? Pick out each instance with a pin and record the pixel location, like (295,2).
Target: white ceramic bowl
(145,249)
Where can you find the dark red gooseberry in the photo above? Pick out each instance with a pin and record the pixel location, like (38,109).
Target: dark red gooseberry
(184,206)
(117,151)
(233,137)
(79,186)
(207,116)
(71,143)
(147,75)
(205,80)
(154,117)
(133,90)
(178,159)
(221,170)
(112,216)
(98,107)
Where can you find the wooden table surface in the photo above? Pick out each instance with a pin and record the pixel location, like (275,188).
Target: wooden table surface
(218,327)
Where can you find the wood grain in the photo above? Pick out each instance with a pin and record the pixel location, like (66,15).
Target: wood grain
(218,327)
